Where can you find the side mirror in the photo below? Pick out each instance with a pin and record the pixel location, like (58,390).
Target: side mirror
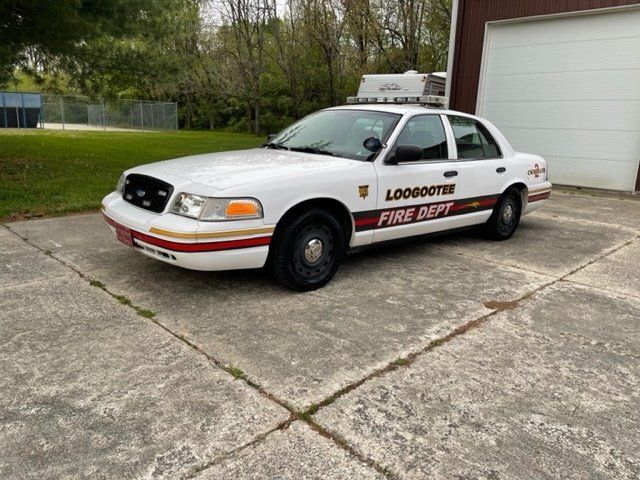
(373,144)
(407,153)
(271,136)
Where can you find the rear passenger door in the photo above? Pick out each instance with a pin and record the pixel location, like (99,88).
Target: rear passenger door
(415,197)
(481,166)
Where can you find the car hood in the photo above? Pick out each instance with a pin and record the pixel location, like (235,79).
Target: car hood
(229,169)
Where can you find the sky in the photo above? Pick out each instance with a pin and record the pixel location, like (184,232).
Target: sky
(211,10)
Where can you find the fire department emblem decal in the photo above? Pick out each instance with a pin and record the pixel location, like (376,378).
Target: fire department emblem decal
(363,191)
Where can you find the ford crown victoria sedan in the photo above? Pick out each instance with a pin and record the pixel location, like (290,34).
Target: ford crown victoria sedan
(340,179)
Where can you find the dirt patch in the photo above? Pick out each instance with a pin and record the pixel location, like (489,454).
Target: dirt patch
(29,215)
(497,305)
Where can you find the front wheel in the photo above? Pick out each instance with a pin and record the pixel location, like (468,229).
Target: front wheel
(307,251)
(505,217)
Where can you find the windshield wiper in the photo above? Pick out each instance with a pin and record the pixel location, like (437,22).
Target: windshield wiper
(275,146)
(310,149)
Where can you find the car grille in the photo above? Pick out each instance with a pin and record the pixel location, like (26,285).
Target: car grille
(147,192)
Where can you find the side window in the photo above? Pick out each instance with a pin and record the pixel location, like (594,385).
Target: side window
(473,140)
(491,149)
(427,132)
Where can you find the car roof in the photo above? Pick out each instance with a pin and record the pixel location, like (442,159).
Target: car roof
(398,108)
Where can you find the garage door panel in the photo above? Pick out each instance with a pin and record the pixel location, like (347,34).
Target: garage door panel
(568,88)
(555,86)
(571,115)
(616,146)
(589,173)
(552,30)
(612,54)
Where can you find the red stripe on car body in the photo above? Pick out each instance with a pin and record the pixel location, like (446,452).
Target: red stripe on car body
(193,247)
(540,196)
(368,220)
(360,222)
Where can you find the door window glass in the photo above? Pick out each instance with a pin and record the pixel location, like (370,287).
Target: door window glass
(427,132)
(490,146)
(473,140)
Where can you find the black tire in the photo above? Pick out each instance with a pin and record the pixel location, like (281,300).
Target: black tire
(307,250)
(505,217)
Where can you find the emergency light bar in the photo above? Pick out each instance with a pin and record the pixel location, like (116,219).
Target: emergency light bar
(428,100)
(408,87)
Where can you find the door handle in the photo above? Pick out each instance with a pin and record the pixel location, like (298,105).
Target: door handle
(451,173)
(501,169)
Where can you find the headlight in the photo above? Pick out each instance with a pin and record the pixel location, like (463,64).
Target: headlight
(188,205)
(120,184)
(216,209)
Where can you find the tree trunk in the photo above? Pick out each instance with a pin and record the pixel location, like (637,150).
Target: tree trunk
(247,113)
(256,118)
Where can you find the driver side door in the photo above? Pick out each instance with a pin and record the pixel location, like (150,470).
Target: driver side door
(416,197)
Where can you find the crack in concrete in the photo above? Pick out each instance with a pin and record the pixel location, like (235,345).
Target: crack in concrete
(525,269)
(305,415)
(408,360)
(231,370)
(585,221)
(597,287)
(255,441)
(488,260)
(27,283)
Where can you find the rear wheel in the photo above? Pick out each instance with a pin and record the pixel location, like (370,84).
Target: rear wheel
(307,250)
(505,217)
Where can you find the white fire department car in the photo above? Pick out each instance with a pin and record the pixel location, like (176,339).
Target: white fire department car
(379,169)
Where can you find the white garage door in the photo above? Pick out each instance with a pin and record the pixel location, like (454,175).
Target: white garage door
(568,88)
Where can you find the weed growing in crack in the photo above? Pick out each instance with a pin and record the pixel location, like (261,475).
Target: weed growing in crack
(307,414)
(252,383)
(123,300)
(400,362)
(304,416)
(236,372)
(97,284)
(144,312)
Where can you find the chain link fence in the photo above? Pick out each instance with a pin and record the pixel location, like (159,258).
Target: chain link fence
(84,113)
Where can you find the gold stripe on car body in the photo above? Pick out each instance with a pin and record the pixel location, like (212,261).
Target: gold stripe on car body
(538,192)
(203,235)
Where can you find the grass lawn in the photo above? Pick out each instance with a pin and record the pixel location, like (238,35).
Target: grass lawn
(45,172)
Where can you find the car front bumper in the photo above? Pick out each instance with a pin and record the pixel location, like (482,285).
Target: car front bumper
(185,242)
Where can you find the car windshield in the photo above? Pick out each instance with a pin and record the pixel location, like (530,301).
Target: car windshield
(340,133)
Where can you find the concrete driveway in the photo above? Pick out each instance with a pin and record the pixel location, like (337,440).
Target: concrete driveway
(451,357)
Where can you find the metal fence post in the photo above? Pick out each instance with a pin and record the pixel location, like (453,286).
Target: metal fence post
(41,113)
(24,114)
(62,111)
(175,107)
(4,111)
(141,116)
(104,115)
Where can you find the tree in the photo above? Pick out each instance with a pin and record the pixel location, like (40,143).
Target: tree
(236,64)
(244,36)
(59,27)
(325,21)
